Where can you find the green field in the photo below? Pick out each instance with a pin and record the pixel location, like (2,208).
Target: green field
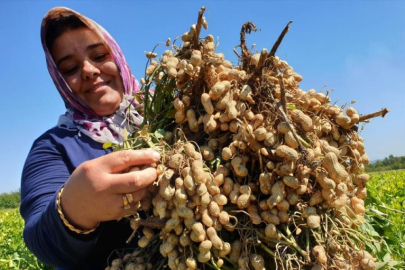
(386,214)
(385,227)
(13,252)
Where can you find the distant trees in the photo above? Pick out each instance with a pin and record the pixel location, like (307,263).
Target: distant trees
(389,163)
(10,200)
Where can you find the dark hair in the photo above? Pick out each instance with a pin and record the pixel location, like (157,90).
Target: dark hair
(56,27)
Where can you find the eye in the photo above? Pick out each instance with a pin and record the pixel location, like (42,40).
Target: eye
(69,71)
(100,57)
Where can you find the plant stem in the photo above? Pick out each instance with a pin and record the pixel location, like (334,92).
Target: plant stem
(213,265)
(269,251)
(198,26)
(294,244)
(307,242)
(282,107)
(247,27)
(381,113)
(280,39)
(392,209)
(282,90)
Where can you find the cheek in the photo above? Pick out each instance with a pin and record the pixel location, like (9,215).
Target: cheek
(73,83)
(110,68)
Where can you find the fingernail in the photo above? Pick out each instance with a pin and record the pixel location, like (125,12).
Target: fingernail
(156,155)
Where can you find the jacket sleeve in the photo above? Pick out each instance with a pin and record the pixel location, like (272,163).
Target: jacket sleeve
(45,171)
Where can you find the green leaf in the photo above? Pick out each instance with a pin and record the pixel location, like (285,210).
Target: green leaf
(378,212)
(387,257)
(291,106)
(138,99)
(144,131)
(125,135)
(159,133)
(170,114)
(369,229)
(108,145)
(380,265)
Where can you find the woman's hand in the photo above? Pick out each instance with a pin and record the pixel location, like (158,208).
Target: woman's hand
(94,192)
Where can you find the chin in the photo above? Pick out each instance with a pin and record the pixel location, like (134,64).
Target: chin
(101,108)
(101,111)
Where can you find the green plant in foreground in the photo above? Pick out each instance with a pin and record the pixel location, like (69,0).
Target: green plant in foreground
(13,252)
(385,218)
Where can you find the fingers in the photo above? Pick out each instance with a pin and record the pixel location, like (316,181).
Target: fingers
(138,196)
(133,209)
(132,182)
(121,160)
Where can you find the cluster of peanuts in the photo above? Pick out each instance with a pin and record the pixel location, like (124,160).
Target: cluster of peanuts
(193,200)
(252,162)
(131,261)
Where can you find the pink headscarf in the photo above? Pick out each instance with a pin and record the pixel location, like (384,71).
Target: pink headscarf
(79,115)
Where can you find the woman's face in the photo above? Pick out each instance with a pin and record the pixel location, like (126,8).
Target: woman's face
(89,69)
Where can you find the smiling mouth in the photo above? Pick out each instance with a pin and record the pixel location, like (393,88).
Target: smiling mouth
(97,86)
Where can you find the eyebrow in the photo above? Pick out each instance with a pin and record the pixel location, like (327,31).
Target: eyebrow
(90,47)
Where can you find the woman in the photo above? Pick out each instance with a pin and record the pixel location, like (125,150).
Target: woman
(73,190)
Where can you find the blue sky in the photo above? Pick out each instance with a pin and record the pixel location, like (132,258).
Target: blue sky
(356,48)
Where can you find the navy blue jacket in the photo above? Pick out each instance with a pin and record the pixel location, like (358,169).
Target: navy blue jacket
(51,160)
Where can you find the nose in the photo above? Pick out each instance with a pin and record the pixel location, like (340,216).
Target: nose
(90,71)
